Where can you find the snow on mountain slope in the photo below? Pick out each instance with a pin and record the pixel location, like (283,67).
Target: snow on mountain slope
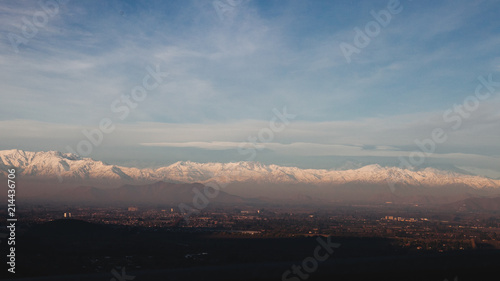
(66,166)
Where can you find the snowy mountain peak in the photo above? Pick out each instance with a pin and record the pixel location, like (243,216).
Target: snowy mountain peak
(27,155)
(371,168)
(52,164)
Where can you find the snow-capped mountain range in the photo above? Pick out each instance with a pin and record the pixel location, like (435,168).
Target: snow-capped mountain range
(69,167)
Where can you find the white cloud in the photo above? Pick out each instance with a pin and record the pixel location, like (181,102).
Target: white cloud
(227,76)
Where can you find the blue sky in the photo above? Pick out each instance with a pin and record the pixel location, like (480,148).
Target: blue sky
(233,64)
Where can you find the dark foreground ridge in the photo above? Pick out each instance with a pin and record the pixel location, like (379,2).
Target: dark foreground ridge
(78,250)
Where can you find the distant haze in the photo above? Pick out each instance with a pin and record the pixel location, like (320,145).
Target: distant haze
(41,172)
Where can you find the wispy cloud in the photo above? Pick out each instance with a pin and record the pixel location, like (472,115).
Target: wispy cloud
(225,77)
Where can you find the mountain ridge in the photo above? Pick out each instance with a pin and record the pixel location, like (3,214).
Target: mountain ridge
(71,167)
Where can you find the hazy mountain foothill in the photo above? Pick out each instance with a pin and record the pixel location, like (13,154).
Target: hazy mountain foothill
(56,176)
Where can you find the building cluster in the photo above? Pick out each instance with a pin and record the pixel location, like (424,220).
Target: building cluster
(393,218)
(414,228)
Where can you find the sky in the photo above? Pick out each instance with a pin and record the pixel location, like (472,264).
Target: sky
(312,84)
